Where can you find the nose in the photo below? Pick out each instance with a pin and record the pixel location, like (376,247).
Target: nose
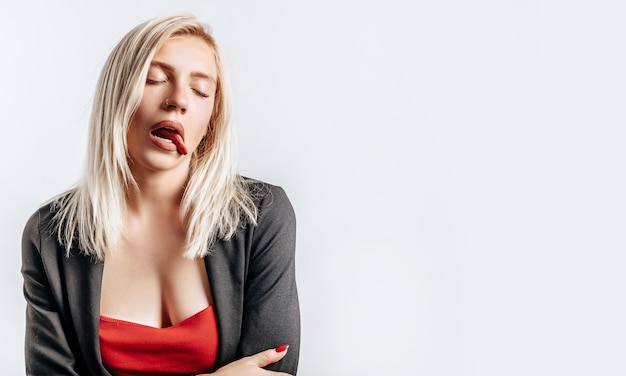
(176,101)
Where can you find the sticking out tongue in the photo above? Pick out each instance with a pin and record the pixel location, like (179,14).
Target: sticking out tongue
(173,136)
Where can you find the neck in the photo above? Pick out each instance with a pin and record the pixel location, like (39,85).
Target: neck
(158,191)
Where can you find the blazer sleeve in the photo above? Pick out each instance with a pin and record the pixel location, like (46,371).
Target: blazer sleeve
(271,315)
(47,350)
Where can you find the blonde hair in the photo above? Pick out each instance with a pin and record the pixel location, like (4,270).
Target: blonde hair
(216,200)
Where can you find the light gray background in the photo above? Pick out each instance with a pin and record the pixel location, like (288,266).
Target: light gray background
(457,168)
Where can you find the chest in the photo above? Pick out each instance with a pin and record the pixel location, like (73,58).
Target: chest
(147,280)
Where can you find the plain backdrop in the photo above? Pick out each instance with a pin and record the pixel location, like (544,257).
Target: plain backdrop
(457,168)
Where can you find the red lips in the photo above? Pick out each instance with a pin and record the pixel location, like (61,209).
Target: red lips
(169,135)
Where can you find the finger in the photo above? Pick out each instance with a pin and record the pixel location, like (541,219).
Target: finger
(270,356)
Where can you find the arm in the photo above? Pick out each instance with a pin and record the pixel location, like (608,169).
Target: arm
(269,306)
(271,313)
(47,351)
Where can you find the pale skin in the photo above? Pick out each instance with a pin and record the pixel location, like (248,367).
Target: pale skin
(147,280)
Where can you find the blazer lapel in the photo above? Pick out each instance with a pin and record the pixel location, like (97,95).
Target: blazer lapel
(84,280)
(225,268)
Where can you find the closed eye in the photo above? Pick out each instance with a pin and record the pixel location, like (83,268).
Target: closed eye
(151,81)
(200,93)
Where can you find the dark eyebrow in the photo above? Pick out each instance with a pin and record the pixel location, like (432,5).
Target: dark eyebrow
(168,68)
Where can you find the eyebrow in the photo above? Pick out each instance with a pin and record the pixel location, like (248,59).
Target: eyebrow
(170,68)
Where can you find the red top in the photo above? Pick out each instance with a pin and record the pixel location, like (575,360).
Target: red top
(131,349)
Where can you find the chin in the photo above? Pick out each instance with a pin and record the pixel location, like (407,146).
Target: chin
(160,161)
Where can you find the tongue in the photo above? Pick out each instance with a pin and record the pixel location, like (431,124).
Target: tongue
(172,136)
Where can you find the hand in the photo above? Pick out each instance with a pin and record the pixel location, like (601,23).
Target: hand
(253,365)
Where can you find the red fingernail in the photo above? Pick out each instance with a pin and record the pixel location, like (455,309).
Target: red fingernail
(282,348)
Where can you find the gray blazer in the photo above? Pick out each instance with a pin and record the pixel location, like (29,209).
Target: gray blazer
(252,280)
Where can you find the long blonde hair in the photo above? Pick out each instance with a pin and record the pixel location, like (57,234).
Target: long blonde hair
(216,200)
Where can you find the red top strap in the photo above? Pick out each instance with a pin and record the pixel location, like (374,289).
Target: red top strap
(131,349)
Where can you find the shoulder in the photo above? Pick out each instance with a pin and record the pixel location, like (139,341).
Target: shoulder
(41,220)
(272,246)
(271,201)
(42,223)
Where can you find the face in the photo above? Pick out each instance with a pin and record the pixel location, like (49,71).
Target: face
(175,109)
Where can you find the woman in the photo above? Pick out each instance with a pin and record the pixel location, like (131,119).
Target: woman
(162,260)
